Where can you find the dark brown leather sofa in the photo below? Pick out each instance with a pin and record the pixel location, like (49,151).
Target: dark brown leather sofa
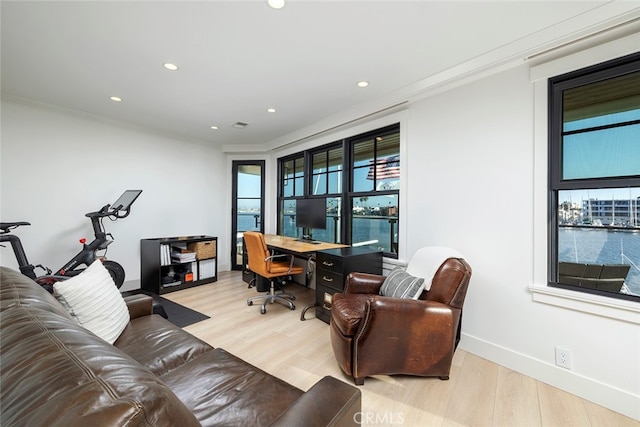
(374,335)
(56,373)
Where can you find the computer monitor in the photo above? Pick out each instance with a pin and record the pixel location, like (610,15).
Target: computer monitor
(311,213)
(125,201)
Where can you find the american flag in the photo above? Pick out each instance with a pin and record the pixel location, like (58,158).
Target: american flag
(387,168)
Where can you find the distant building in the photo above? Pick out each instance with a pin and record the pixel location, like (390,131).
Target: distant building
(622,213)
(570,213)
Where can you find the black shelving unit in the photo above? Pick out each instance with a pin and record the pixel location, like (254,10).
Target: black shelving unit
(160,274)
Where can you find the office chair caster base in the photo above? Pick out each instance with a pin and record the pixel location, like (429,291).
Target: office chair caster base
(270,299)
(283,301)
(287,295)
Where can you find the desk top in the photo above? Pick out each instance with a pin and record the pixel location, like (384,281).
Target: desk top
(292,245)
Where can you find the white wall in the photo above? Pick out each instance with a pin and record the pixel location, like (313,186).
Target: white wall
(58,165)
(471,178)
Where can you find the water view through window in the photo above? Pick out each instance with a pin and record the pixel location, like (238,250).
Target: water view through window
(374,222)
(599,239)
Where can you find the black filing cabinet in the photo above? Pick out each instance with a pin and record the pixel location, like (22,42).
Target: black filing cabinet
(333,266)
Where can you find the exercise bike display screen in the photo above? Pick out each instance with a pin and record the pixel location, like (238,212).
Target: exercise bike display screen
(125,201)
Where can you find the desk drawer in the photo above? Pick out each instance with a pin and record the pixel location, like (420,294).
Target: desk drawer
(328,262)
(330,279)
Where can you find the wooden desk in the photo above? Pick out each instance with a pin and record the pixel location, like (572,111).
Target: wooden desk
(299,249)
(334,262)
(292,245)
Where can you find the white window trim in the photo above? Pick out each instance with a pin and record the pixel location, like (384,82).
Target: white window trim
(627,311)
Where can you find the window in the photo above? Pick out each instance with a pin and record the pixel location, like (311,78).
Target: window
(362,172)
(326,165)
(293,177)
(327,171)
(594,179)
(375,190)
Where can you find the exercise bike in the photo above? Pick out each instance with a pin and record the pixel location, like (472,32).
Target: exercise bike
(89,252)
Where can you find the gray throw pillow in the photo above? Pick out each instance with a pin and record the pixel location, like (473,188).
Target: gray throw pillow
(400,284)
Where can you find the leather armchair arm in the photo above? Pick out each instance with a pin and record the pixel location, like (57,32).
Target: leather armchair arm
(330,402)
(363,283)
(139,305)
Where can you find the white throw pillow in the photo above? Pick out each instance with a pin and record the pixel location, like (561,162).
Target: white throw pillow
(400,284)
(94,301)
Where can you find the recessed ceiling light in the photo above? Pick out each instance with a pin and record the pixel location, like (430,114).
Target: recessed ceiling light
(170,66)
(115,98)
(271,110)
(363,83)
(276,4)
(214,127)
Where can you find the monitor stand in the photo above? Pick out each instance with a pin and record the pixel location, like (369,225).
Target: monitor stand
(311,242)
(306,238)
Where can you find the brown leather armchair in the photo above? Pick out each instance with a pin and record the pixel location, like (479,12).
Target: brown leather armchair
(372,334)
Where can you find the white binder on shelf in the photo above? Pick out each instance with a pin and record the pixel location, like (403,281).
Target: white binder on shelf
(165,254)
(207,268)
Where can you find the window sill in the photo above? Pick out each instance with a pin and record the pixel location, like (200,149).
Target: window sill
(626,311)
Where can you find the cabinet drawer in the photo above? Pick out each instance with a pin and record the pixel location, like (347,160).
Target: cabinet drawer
(324,296)
(330,279)
(328,262)
(324,315)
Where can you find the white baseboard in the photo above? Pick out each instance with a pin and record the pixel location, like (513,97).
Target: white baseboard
(617,400)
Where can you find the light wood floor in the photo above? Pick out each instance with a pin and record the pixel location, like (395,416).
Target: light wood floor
(479,393)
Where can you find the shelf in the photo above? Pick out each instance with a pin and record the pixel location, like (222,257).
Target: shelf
(156,262)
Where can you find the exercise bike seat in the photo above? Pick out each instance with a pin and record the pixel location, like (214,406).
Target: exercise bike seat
(6,226)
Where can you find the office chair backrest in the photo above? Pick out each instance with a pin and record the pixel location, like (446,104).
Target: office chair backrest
(257,252)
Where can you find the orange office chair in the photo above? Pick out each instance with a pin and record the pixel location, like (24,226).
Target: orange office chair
(262,263)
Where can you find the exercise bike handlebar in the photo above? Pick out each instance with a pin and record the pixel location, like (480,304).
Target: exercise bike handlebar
(107,211)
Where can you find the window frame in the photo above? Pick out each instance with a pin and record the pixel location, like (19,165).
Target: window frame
(346,194)
(325,149)
(351,194)
(556,183)
(284,180)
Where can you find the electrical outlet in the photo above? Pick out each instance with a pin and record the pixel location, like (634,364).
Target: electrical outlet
(563,357)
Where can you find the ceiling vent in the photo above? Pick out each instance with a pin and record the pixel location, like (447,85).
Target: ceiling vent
(239,125)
